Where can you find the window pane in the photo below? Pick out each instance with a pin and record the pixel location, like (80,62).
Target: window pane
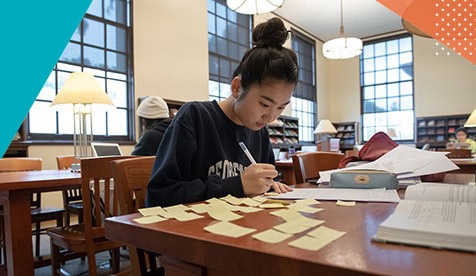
(380,91)
(392,89)
(369,106)
(72,53)
(369,65)
(93,57)
(369,92)
(116,62)
(115,10)
(116,119)
(393,104)
(93,32)
(66,122)
(368,51)
(42,118)
(117,92)
(95,8)
(48,92)
(116,38)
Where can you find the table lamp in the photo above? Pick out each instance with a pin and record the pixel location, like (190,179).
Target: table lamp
(325,127)
(81,93)
(471,122)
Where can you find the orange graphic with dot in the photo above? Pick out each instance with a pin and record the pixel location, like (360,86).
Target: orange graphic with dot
(451,22)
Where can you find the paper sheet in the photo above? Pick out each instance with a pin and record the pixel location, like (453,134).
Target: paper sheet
(298,225)
(149,219)
(377,195)
(248,209)
(223,215)
(287,214)
(271,236)
(178,207)
(233,200)
(317,238)
(184,216)
(250,202)
(151,211)
(228,229)
(199,208)
(305,208)
(271,205)
(345,203)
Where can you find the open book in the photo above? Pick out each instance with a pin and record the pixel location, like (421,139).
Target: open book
(435,215)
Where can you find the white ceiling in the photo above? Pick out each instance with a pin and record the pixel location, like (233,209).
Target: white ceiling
(321,18)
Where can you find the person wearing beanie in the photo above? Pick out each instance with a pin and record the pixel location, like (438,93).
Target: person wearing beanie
(154,114)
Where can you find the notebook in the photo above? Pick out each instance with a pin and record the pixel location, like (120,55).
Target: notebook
(105,149)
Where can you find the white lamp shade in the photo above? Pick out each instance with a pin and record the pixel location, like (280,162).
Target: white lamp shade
(471,122)
(254,6)
(342,48)
(81,88)
(325,126)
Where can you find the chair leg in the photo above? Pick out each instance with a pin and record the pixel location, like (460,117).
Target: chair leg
(115,261)
(55,258)
(67,218)
(37,239)
(92,263)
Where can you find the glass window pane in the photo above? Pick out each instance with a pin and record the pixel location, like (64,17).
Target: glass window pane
(93,57)
(380,91)
(393,104)
(392,61)
(95,8)
(225,90)
(213,88)
(369,106)
(221,9)
(368,51)
(369,92)
(117,92)
(116,38)
(405,44)
(406,59)
(77,34)
(93,32)
(68,67)
(117,122)
(211,24)
(407,102)
(380,63)
(406,88)
(381,76)
(66,122)
(381,119)
(42,118)
(95,72)
(393,75)
(211,6)
(369,65)
(115,10)
(72,53)
(380,105)
(392,47)
(380,49)
(221,27)
(406,73)
(48,92)
(116,62)
(369,78)
(392,89)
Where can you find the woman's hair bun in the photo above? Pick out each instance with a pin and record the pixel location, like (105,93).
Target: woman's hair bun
(271,33)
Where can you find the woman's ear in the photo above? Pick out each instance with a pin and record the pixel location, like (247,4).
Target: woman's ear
(236,87)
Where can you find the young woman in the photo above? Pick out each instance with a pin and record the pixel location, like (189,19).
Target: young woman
(200,156)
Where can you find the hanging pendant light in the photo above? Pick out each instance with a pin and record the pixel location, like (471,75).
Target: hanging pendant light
(342,47)
(254,6)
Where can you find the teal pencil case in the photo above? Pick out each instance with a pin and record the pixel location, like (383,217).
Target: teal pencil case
(363,179)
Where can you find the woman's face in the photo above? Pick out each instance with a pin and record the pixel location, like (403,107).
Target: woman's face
(461,136)
(263,103)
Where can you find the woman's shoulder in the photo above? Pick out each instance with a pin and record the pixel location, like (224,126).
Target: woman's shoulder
(195,108)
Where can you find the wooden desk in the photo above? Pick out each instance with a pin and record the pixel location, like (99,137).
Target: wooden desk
(15,193)
(189,248)
(285,168)
(465,165)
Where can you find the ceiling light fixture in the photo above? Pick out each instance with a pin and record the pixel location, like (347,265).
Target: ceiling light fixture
(254,6)
(342,47)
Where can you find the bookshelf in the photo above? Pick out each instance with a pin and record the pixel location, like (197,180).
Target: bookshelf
(438,130)
(348,133)
(173,109)
(284,132)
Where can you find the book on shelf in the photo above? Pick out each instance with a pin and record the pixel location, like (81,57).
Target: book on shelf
(433,215)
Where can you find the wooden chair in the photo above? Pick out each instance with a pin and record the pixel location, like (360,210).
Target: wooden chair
(131,177)
(38,214)
(307,165)
(72,199)
(89,237)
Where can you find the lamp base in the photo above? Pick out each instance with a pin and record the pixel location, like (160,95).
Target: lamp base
(76,167)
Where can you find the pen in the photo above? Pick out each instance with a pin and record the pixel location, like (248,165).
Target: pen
(247,152)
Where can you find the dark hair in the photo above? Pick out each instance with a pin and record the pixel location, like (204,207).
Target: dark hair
(461,129)
(268,60)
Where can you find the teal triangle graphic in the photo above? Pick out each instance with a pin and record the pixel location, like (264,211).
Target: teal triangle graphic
(33,36)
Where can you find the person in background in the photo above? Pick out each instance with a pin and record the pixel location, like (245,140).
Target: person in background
(154,114)
(200,155)
(462,137)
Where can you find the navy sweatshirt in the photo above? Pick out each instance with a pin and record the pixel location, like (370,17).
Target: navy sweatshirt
(150,140)
(200,158)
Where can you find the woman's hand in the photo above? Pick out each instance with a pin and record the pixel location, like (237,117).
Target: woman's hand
(258,178)
(281,188)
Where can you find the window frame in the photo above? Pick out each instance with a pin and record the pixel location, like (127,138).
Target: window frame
(126,25)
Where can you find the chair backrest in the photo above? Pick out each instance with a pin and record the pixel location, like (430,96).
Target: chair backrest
(64,161)
(15,164)
(130,179)
(96,190)
(307,165)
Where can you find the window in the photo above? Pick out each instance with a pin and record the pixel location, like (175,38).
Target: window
(229,37)
(101,46)
(304,98)
(386,77)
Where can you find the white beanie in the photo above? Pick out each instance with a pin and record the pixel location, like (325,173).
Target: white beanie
(153,107)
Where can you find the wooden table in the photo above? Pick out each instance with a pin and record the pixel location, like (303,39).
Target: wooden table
(186,247)
(465,165)
(16,189)
(285,168)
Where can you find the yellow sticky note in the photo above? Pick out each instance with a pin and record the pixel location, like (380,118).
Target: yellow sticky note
(223,215)
(199,208)
(322,236)
(271,194)
(305,209)
(271,205)
(250,202)
(307,201)
(178,207)
(151,211)
(345,203)
(260,199)
(228,229)
(149,219)
(271,236)
(184,216)
(232,200)
(248,209)
(287,214)
(291,228)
